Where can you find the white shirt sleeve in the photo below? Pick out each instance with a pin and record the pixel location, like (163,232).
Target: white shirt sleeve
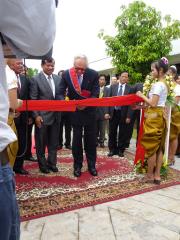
(11,78)
(157,88)
(29,25)
(177,91)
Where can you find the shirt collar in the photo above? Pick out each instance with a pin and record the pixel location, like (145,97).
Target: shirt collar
(47,75)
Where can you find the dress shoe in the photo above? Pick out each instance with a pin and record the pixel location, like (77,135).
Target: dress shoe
(77,172)
(102,145)
(53,168)
(69,147)
(93,171)
(121,154)
(44,170)
(21,171)
(111,153)
(31,159)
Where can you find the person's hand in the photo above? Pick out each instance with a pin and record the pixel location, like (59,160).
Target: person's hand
(20,103)
(16,114)
(128,120)
(139,94)
(106,116)
(81,108)
(38,121)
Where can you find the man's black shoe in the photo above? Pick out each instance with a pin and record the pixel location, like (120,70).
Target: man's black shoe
(93,171)
(31,159)
(121,154)
(44,170)
(21,171)
(111,153)
(77,172)
(53,168)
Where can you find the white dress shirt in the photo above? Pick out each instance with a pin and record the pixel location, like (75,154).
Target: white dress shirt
(123,88)
(11,78)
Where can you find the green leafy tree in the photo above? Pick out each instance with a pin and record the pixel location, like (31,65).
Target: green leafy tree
(32,72)
(142,37)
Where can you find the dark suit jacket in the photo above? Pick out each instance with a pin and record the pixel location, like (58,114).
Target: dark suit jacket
(137,87)
(100,111)
(126,111)
(23,94)
(89,83)
(40,90)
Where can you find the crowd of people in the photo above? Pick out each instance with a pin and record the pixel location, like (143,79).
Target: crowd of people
(89,125)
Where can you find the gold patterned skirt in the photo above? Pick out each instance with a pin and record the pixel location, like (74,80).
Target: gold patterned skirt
(154,131)
(12,148)
(175,124)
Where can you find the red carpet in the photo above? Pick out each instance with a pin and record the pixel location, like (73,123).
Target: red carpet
(41,195)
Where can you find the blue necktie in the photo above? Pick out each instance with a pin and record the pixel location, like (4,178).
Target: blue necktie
(80,78)
(120,93)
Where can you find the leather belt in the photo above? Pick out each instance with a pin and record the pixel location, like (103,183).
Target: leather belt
(4,157)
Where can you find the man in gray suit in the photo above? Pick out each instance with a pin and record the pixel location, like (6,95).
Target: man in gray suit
(43,87)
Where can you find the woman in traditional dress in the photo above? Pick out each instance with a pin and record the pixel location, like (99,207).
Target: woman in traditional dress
(14,103)
(175,118)
(154,132)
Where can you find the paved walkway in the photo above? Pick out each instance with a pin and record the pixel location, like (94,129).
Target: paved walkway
(149,216)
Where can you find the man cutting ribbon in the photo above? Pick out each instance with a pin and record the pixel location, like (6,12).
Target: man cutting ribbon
(82,83)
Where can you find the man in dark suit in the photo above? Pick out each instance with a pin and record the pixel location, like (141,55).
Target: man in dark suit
(43,87)
(100,112)
(82,82)
(119,118)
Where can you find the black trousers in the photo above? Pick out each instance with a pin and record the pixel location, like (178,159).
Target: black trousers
(66,123)
(22,132)
(89,144)
(29,142)
(117,132)
(100,131)
(47,136)
(135,119)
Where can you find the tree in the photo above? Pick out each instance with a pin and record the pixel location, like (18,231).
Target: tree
(32,72)
(142,37)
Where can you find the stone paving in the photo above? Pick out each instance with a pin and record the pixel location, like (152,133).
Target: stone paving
(149,216)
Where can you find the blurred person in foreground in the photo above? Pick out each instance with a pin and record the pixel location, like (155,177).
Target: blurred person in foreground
(19,32)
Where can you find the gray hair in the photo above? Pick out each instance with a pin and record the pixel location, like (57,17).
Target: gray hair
(81,56)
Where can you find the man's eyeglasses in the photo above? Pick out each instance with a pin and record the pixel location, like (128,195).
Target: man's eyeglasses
(79,69)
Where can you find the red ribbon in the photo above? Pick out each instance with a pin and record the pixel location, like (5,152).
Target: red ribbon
(140,151)
(70,106)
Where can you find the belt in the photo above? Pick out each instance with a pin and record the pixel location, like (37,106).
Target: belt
(4,157)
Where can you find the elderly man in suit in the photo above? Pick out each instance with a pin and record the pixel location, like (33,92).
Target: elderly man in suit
(82,82)
(100,112)
(43,87)
(120,118)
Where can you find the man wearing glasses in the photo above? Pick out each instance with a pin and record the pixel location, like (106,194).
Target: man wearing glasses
(82,83)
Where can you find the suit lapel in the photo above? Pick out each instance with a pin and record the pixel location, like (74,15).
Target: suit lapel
(126,90)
